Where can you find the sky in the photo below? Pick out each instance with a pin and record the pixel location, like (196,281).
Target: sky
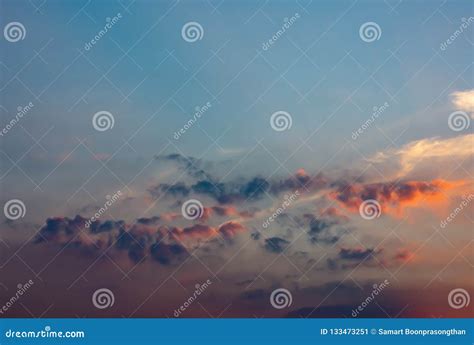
(284,158)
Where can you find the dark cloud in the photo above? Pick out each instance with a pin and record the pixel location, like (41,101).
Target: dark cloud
(301,181)
(108,225)
(149,221)
(213,189)
(254,188)
(325,229)
(193,166)
(167,254)
(350,258)
(255,236)
(146,237)
(60,229)
(176,190)
(250,189)
(358,254)
(276,244)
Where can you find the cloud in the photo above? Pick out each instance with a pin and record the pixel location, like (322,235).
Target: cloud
(423,157)
(357,254)
(227,230)
(326,228)
(197,231)
(231,229)
(193,166)
(146,237)
(404,255)
(73,231)
(464,100)
(393,197)
(276,244)
(319,230)
(325,225)
(177,190)
(236,191)
(167,254)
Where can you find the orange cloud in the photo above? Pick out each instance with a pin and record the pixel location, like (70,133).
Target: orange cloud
(404,256)
(395,197)
(231,229)
(204,232)
(197,231)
